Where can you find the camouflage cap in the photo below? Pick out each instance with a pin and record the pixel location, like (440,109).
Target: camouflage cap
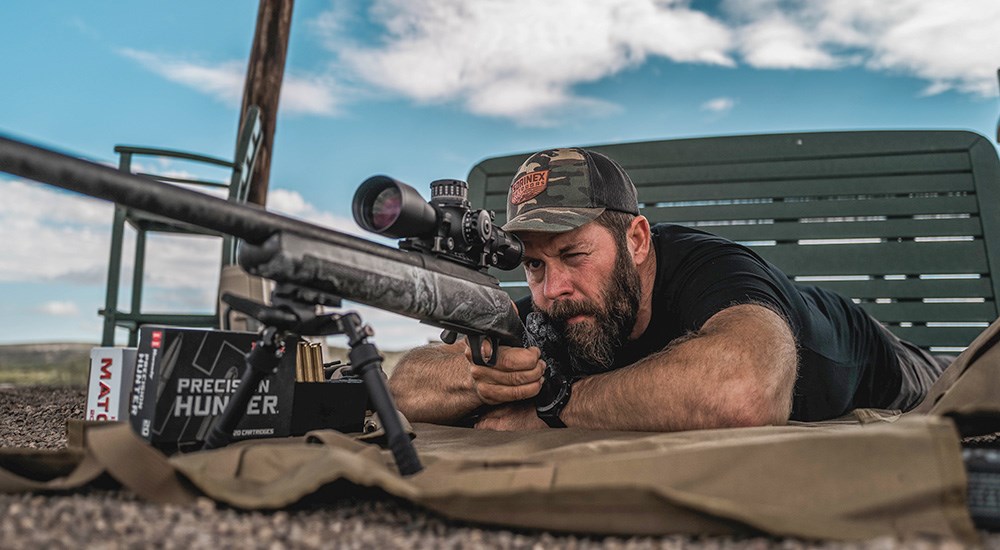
(558,190)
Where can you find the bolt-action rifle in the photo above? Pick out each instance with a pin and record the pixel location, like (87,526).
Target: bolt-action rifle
(437,276)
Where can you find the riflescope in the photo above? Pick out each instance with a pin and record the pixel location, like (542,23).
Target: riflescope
(445,226)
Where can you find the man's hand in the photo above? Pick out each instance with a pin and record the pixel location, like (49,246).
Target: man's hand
(516,376)
(511,417)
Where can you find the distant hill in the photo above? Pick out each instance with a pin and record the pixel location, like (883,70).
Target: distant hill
(66,364)
(61,364)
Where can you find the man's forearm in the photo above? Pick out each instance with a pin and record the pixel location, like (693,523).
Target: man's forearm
(433,384)
(738,371)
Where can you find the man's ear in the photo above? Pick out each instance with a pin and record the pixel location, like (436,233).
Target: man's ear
(639,239)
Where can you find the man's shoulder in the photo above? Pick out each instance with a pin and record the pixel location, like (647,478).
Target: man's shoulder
(674,235)
(689,255)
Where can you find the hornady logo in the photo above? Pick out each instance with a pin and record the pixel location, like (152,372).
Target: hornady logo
(157,339)
(528,186)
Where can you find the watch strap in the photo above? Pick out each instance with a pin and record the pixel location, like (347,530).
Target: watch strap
(552,399)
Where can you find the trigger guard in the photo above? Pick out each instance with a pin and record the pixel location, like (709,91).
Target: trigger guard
(476,345)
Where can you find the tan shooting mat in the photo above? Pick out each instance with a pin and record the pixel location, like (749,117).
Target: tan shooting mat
(870,474)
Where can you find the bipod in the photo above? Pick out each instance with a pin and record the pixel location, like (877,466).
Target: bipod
(293,314)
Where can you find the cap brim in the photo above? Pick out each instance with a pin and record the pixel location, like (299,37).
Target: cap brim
(552,220)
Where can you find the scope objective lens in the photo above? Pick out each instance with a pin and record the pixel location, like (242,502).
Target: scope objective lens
(386,208)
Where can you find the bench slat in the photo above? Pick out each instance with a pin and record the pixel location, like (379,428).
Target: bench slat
(881,259)
(937,336)
(659,190)
(794,231)
(816,209)
(905,289)
(768,147)
(896,206)
(820,168)
(919,312)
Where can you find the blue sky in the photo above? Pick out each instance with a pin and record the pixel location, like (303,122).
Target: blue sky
(424,89)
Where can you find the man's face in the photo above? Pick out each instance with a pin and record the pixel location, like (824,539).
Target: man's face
(589,290)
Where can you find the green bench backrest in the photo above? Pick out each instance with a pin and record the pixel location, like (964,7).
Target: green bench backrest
(906,223)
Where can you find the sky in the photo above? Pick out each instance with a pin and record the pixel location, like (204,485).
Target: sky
(424,89)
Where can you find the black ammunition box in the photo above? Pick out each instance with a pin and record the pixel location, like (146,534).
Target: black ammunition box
(184,378)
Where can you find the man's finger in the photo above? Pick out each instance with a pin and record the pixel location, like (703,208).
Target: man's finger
(491,375)
(495,394)
(511,358)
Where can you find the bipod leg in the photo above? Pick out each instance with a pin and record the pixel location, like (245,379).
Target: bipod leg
(262,360)
(367,361)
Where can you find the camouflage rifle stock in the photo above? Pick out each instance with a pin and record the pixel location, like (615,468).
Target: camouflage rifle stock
(438,292)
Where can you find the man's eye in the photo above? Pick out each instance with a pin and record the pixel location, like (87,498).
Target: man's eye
(532,264)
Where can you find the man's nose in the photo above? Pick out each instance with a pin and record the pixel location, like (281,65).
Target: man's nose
(558,283)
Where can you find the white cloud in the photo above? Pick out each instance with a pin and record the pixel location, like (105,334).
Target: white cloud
(48,235)
(223,80)
(309,94)
(521,59)
(292,204)
(719,105)
(59,309)
(524,60)
(951,45)
(778,43)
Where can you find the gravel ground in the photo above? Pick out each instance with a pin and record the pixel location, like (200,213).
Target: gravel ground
(35,417)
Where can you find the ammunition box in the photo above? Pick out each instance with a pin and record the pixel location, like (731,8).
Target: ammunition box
(184,377)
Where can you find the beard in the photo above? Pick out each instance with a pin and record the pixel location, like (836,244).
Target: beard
(591,343)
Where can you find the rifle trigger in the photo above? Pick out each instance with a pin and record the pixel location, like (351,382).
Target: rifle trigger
(449,336)
(476,345)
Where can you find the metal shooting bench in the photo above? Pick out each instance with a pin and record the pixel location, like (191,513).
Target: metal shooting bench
(236,190)
(906,223)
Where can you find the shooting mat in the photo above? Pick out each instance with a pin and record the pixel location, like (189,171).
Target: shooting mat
(869,474)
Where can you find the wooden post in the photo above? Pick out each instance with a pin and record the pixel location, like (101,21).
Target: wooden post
(263,83)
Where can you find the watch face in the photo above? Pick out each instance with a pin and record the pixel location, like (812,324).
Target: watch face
(549,404)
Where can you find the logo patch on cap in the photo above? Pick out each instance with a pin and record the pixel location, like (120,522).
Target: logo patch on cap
(528,186)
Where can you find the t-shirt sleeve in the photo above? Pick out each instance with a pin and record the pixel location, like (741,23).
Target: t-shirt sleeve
(721,275)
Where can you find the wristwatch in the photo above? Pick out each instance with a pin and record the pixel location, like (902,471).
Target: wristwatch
(552,398)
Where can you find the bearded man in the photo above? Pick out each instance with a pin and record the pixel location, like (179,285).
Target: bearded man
(659,328)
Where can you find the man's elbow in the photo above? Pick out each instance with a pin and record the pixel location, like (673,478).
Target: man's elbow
(757,408)
(403,397)
(763,415)
(754,416)
(766,398)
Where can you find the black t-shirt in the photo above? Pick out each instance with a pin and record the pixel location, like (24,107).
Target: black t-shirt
(845,359)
